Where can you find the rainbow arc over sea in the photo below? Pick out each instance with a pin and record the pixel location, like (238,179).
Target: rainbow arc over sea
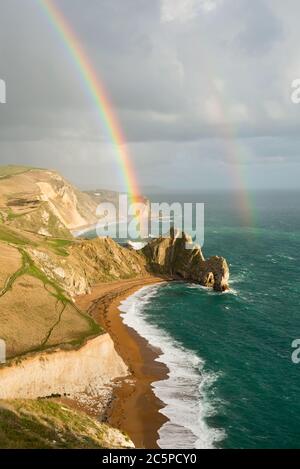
(95,87)
(97,91)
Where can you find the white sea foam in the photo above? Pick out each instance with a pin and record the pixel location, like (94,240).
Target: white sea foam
(238,278)
(185,392)
(211,291)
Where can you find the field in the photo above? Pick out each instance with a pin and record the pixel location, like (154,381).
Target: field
(35,312)
(12,170)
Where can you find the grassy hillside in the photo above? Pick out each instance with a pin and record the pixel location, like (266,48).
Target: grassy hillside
(12,170)
(42,268)
(35,311)
(45,424)
(39,276)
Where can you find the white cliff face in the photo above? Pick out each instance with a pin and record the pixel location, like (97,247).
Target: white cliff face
(63,203)
(45,202)
(85,370)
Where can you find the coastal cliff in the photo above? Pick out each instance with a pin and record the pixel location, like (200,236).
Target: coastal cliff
(88,262)
(102,259)
(63,372)
(32,416)
(43,201)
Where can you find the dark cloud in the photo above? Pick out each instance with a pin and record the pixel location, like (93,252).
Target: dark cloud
(185,85)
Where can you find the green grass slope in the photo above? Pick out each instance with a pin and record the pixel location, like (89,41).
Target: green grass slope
(47,424)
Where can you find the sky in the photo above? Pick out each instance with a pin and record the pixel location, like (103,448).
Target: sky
(202,90)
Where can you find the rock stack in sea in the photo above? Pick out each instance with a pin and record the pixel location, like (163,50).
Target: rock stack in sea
(169,256)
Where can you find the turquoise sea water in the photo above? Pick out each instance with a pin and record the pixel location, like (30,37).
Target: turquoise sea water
(232,382)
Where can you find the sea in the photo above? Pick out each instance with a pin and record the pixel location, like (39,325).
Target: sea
(232,381)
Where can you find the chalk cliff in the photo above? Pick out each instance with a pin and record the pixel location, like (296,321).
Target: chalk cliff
(43,201)
(63,371)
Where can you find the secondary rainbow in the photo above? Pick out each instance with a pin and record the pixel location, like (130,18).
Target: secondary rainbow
(97,91)
(234,151)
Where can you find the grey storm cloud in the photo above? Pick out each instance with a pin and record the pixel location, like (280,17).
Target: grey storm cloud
(186,77)
(260,31)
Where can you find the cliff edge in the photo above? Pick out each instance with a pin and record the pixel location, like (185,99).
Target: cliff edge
(46,424)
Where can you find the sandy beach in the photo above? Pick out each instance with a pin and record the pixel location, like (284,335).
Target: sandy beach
(134,407)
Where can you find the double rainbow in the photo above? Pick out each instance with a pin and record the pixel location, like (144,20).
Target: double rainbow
(106,113)
(97,92)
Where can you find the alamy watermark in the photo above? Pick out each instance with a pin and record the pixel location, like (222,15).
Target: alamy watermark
(2,351)
(142,220)
(296,352)
(2,92)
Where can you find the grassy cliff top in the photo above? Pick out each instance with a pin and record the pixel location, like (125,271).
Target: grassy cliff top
(47,424)
(13,170)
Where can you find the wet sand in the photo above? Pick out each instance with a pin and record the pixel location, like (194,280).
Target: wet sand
(134,408)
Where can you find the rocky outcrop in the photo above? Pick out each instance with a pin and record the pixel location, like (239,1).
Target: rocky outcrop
(169,256)
(88,262)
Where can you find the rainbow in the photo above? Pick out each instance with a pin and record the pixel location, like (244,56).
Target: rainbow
(97,92)
(234,151)
(234,154)
(95,87)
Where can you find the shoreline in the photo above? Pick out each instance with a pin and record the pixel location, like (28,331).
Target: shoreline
(134,408)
